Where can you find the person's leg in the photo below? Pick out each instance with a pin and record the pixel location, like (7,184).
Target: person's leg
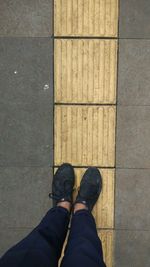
(84,247)
(42,248)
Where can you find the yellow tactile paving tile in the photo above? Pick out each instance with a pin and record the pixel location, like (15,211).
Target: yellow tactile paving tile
(85,135)
(85,71)
(103,211)
(107,238)
(86,18)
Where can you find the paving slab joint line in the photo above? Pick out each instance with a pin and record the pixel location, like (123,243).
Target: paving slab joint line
(84,104)
(85,37)
(81,167)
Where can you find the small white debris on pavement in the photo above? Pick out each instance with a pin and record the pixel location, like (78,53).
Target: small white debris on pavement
(46,87)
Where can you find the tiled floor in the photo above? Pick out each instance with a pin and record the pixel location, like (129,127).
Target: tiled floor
(90,135)
(18,184)
(26,18)
(91,76)
(26,116)
(86,73)
(134,19)
(86,18)
(132,216)
(26,101)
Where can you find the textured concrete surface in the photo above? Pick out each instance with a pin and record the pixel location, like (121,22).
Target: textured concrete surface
(133,131)
(26,102)
(26,18)
(24,195)
(132,248)
(132,217)
(26,116)
(11,236)
(132,199)
(134,69)
(134,19)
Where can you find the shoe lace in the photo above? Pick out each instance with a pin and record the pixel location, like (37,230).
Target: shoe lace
(63,193)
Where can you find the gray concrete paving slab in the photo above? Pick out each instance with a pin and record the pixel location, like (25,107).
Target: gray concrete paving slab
(26,18)
(134,69)
(26,101)
(132,249)
(24,196)
(133,132)
(10,237)
(132,199)
(134,19)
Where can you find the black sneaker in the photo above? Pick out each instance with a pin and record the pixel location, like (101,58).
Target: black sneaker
(62,185)
(90,188)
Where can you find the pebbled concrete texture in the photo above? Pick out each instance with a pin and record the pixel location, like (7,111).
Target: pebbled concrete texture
(134,19)
(26,116)
(134,69)
(133,131)
(26,18)
(132,199)
(132,217)
(132,248)
(10,237)
(24,201)
(26,102)
(24,195)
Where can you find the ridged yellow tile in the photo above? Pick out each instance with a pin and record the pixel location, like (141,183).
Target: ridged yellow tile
(86,18)
(107,238)
(85,135)
(85,71)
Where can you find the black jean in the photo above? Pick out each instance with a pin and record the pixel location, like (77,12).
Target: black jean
(43,246)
